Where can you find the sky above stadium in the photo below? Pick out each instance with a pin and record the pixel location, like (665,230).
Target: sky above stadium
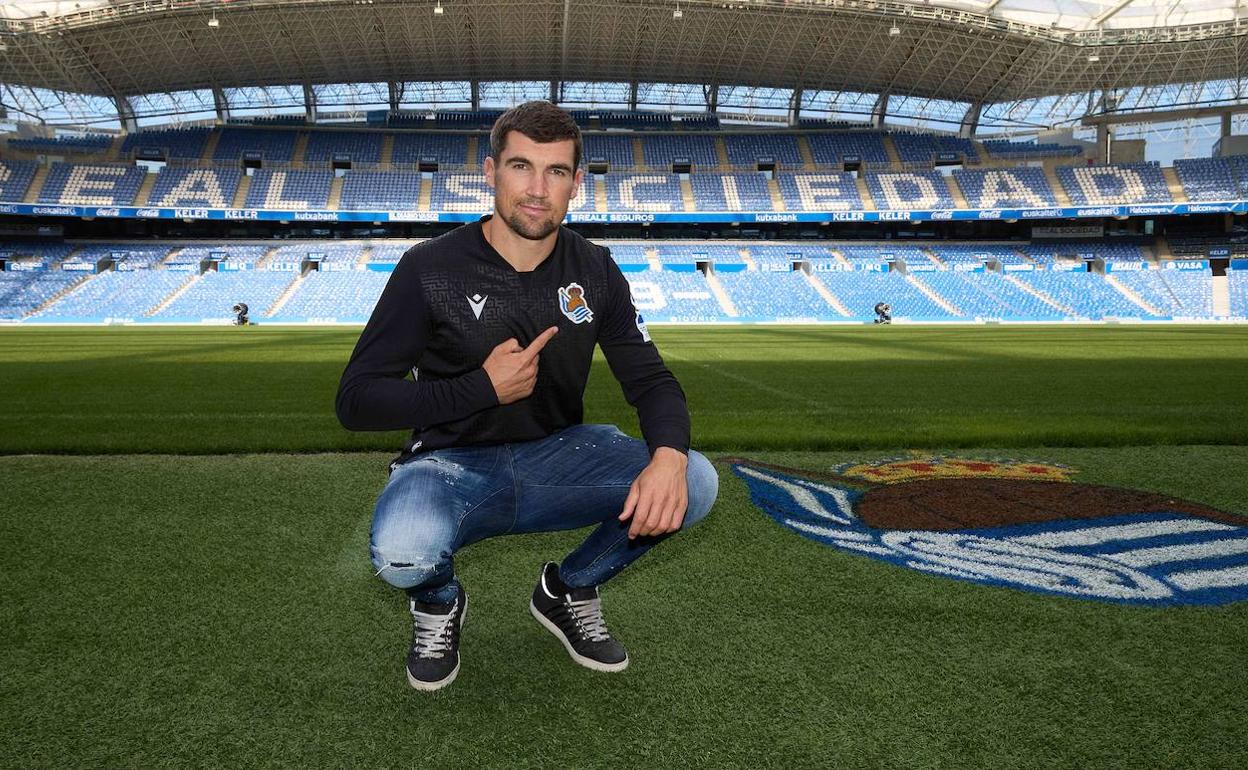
(1062,14)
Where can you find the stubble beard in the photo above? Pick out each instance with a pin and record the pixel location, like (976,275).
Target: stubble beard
(529,229)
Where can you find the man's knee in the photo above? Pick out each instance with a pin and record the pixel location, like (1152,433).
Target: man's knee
(703,484)
(412,564)
(410,549)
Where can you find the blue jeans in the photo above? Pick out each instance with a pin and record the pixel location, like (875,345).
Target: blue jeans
(449,498)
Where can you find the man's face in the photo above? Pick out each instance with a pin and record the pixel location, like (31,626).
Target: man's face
(533,183)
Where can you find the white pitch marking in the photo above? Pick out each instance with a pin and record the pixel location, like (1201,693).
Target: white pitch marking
(1210,578)
(1147,557)
(1094,535)
(800,495)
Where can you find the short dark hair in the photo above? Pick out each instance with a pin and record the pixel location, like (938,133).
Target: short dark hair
(540,121)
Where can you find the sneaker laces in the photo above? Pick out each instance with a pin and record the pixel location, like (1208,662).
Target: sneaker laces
(432,637)
(589,619)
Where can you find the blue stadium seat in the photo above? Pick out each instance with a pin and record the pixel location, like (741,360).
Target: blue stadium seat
(819,192)
(1207,179)
(831,149)
(643,192)
(1114,184)
(671,296)
(210,187)
(289,190)
(333,296)
(450,150)
(730,192)
(176,143)
(274,145)
(15,179)
(775,296)
(380,190)
(744,150)
(1005,187)
(661,149)
(23,291)
(1004,148)
(359,146)
(910,190)
(114,295)
(70,183)
(618,150)
(925,148)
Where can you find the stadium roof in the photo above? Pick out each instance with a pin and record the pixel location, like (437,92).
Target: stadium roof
(974,51)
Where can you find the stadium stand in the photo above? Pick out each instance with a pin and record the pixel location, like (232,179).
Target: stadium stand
(23,291)
(342,296)
(1114,184)
(15,178)
(450,150)
(730,192)
(910,190)
(1237,283)
(209,187)
(114,295)
(289,190)
(925,148)
(90,144)
(176,143)
(70,183)
(1004,148)
(273,145)
(358,146)
(370,190)
(627,253)
(387,252)
(880,252)
(135,256)
(976,253)
(772,296)
(643,192)
(1206,179)
(1005,187)
(461,192)
(691,253)
(1089,295)
(859,291)
(745,150)
(661,149)
(819,192)
(988,295)
(671,296)
(244,256)
(782,256)
(616,149)
(1175,293)
(212,296)
(833,148)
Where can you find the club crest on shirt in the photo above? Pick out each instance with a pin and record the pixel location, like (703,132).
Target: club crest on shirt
(573,304)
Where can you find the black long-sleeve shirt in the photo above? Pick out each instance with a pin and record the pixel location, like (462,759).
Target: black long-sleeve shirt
(452,299)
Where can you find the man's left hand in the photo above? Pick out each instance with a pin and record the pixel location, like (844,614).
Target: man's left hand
(659,495)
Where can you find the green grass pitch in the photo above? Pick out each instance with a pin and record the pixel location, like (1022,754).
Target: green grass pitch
(186,578)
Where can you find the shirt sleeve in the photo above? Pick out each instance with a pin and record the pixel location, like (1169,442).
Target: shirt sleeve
(647,383)
(374,392)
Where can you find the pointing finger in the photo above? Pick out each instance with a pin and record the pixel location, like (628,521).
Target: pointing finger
(536,345)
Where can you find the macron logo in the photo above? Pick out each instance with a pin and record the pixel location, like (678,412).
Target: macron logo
(478,304)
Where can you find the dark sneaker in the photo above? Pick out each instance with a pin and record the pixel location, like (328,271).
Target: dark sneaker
(433,660)
(574,616)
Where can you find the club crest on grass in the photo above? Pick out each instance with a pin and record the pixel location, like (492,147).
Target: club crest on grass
(1021,525)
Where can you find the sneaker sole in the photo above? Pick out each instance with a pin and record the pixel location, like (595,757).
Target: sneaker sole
(590,663)
(423,686)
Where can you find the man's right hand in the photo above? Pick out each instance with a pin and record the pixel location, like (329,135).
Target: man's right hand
(513,369)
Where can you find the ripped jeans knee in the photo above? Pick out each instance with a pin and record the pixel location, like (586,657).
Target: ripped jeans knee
(410,570)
